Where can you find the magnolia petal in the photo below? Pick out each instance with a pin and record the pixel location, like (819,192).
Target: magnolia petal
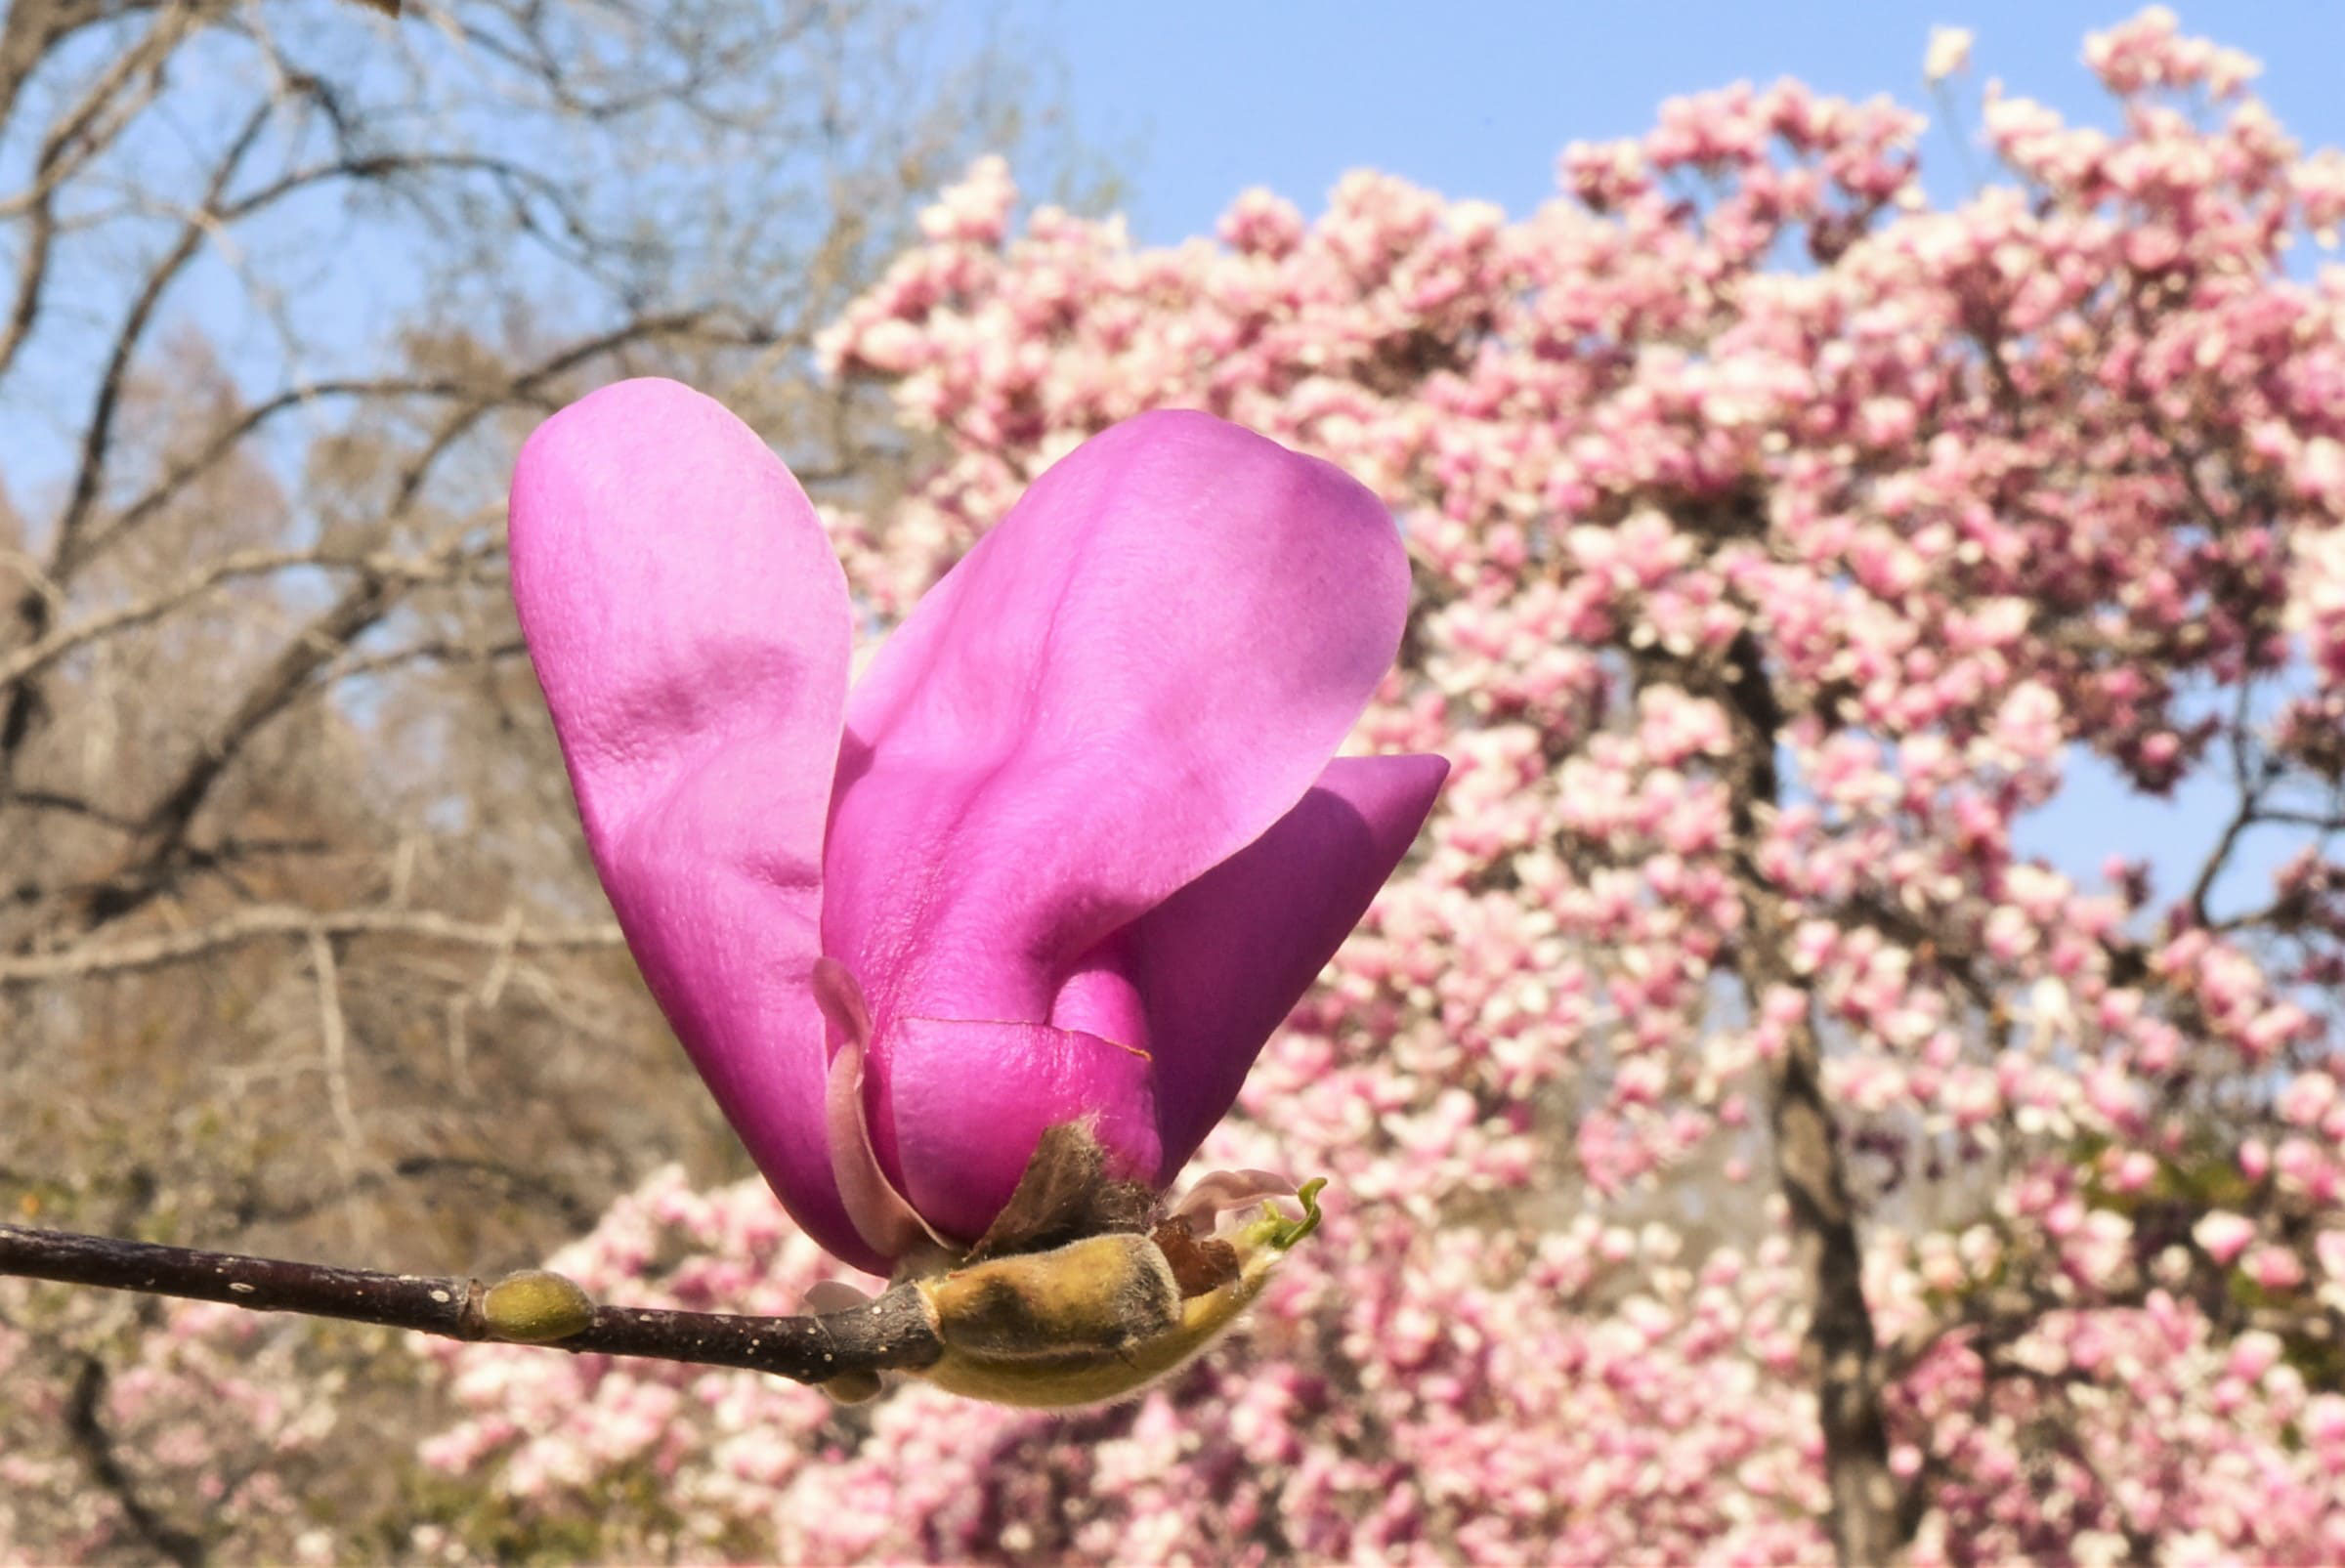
(1221,962)
(1220,1191)
(961,1106)
(691,628)
(877,1210)
(1133,676)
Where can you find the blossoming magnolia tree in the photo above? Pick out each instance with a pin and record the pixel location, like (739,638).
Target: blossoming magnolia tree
(1738,1149)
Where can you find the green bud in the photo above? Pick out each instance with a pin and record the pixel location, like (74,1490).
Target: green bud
(535,1308)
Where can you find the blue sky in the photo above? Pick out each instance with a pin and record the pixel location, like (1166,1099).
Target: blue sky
(1198,101)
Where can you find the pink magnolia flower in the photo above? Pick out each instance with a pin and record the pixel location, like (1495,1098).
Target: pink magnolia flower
(2275,1268)
(1068,850)
(2224,1235)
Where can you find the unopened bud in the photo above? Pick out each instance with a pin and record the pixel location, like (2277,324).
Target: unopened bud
(1103,1293)
(1097,1319)
(535,1308)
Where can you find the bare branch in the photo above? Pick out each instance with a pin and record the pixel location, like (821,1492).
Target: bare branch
(221,570)
(2245,816)
(233,434)
(77,136)
(440,651)
(275,923)
(85,1420)
(334,1035)
(97,433)
(518,1185)
(165,827)
(72,806)
(895,1332)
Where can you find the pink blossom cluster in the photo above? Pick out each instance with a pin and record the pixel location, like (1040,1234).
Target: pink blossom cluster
(1369,1412)
(2218,1450)
(216,1408)
(1976,487)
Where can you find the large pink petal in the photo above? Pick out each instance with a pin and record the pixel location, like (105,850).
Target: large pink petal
(1133,676)
(691,627)
(1220,963)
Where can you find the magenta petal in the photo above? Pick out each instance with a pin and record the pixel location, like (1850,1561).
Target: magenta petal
(691,627)
(1220,963)
(967,1103)
(1129,680)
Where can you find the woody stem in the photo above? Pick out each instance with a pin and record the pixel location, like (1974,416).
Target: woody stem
(892,1332)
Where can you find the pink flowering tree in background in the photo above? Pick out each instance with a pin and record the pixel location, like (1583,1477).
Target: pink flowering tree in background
(1740,1149)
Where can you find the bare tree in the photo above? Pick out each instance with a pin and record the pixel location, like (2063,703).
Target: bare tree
(282,285)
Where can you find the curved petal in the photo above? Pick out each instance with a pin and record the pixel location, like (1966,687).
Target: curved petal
(1221,962)
(968,1102)
(691,628)
(1129,679)
(877,1210)
(1220,1191)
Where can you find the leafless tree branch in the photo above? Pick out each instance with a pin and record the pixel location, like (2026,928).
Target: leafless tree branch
(267,924)
(895,1330)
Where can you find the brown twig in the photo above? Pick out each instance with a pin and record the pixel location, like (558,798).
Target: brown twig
(259,924)
(32,659)
(893,1331)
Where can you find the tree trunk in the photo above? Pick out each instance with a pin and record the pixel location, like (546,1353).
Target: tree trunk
(1868,1520)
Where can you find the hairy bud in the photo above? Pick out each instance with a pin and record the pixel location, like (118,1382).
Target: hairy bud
(1100,1318)
(1103,1293)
